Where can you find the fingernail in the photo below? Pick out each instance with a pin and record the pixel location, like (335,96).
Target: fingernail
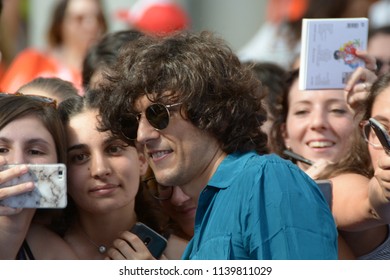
(29,186)
(23,168)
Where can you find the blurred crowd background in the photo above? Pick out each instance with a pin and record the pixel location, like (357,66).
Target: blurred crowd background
(246,24)
(24,22)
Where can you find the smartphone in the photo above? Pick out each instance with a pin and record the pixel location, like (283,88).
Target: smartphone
(297,157)
(381,133)
(49,191)
(326,189)
(155,242)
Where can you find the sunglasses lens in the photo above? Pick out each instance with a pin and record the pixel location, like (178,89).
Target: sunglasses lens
(157,115)
(129,126)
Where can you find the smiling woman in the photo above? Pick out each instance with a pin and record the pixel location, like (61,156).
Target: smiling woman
(315,124)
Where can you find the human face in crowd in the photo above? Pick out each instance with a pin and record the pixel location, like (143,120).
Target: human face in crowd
(319,124)
(181,208)
(378,47)
(381,112)
(81,24)
(103,172)
(179,155)
(27,140)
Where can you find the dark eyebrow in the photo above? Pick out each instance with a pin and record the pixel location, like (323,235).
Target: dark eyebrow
(37,140)
(110,139)
(106,141)
(77,147)
(3,139)
(29,142)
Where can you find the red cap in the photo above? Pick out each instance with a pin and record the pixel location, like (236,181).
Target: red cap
(155,16)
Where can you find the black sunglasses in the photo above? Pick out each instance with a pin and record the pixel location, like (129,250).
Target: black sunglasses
(157,115)
(43,99)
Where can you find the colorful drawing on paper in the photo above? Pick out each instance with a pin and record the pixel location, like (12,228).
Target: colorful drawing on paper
(347,53)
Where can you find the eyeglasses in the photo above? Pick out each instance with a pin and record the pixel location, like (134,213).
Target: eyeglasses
(380,63)
(158,191)
(370,135)
(157,114)
(43,99)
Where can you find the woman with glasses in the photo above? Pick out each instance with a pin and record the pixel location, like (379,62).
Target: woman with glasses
(360,199)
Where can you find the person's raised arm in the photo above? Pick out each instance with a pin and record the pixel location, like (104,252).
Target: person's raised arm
(14,222)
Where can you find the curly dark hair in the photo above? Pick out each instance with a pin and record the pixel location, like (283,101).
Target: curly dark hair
(219,94)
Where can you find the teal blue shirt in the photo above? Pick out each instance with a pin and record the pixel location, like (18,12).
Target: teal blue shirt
(262,207)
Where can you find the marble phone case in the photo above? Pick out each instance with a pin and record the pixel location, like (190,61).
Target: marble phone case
(50,187)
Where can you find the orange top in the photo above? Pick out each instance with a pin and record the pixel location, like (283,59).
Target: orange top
(30,64)
(279,10)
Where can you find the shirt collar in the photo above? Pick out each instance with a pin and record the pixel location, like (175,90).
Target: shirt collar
(229,169)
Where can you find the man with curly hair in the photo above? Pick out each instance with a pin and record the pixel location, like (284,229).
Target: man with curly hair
(197,113)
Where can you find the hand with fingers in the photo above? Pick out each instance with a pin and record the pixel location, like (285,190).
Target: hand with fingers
(359,84)
(6,192)
(129,246)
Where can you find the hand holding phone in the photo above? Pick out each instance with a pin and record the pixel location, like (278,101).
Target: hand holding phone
(381,133)
(155,242)
(49,187)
